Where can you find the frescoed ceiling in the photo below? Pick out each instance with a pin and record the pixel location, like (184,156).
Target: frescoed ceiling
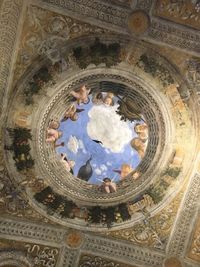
(185,12)
(99,156)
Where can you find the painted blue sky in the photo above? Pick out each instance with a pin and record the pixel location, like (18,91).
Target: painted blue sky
(105,158)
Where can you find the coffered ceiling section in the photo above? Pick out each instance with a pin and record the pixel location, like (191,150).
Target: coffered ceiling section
(122,19)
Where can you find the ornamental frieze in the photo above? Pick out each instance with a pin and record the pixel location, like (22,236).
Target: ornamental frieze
(194,252)
(186,13)
(92,260)
(39,255)
(44,31)
(153,231)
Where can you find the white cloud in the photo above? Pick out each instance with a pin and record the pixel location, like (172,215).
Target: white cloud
(82,146)
(105,125)
(103,167)
(73,144)
(97,171)
(107,151)
(108,163)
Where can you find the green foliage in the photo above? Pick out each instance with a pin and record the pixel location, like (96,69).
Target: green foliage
(108,216)
(97,53)
(156,193)
(78,52)
(68,209)
(95,215)
(19,134)
(150,64)
(29,100)
(53,202)
(41,196)
(44,74)
(38,80)
(65,208)
(156,69)
(21,147)
(123,210)
(29,163)
(173,172)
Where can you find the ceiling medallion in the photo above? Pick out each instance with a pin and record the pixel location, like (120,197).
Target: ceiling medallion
(74,239)
(138,22)
(95,146)
(173,262)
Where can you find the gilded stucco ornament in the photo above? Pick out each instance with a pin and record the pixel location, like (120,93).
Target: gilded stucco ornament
(194,251)
(138,22)
(45,31)
(92,260)
(172,262)
(186,13)
(74,239)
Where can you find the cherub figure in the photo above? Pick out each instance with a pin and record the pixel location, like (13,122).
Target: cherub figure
(126,169)
(53,135)
(108,186)
(81,95)
(142,131)
(54,124)
(97,98)
(71,113)
(69,164)
(108,99)
(139,145)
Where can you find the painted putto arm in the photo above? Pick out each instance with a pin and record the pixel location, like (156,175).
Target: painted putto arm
(81,95)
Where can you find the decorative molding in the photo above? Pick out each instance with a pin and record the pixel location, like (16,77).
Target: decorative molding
(192,73)
(122,251)
(27,230)
(174,35)
(34,253)
(144,4)
(93,260)
(152,231)
(55,236)
(97,10)
(45,32)
(182,229)
(194,248)
(9,19)
(68,258)
(15,258)
(182,12)
(161,31)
